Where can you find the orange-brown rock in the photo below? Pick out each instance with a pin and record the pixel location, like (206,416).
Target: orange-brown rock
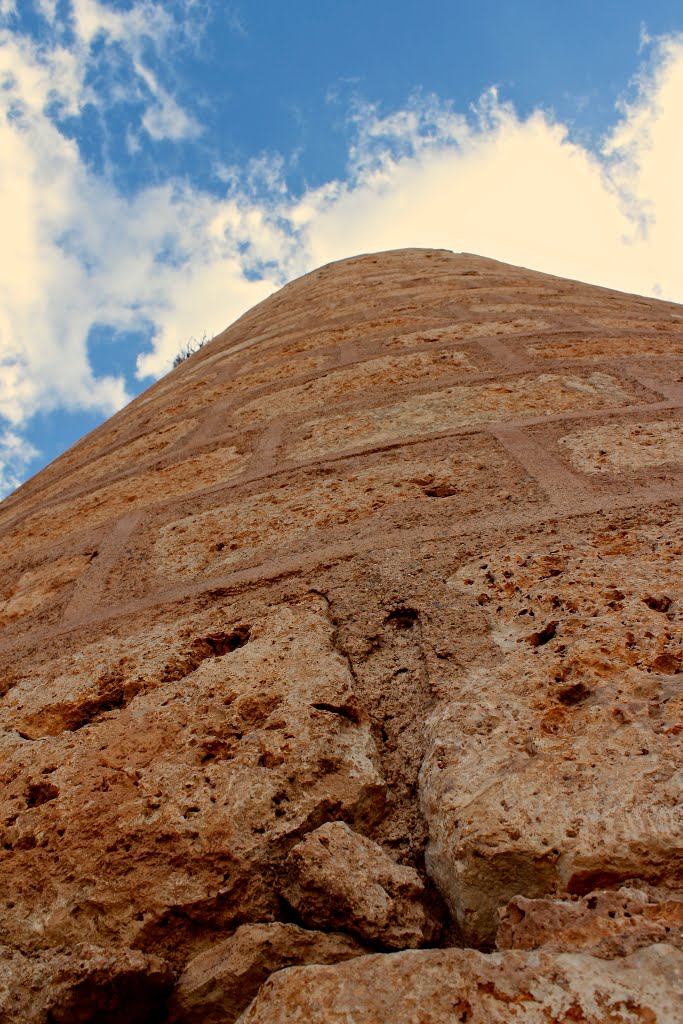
(557,767)
(68,985)
(337,878)
(170,790)
(219,983)
(454,986)
(395,560)
(607,923)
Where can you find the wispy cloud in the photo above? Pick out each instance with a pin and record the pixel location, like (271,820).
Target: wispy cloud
(119,45)
(16,455)
(183,260)
(236,20)
(75,244)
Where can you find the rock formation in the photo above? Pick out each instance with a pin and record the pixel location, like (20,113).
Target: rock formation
(341,671)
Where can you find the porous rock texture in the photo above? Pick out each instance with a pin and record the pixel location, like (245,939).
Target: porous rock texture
(361,631)
(81,983)
(219,983)
(461,985)
(337,878)
(607,924)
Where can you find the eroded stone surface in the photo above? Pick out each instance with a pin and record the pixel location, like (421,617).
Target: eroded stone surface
(339,879)
(592,347)
(464,331)
(581,697)
(452,986)
(94,507)
(36,586)
(605,923)
(97,468)
(461,406)
(82,984)
(299,511)
(397,559)
(354,381)
(191,793)
(221,982)
(619,447)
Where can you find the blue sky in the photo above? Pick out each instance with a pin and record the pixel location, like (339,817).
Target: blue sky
(167,165)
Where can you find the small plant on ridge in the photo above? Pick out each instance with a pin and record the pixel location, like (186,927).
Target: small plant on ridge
(189,349)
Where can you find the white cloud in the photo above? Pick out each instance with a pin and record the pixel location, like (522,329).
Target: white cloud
(143,20)
(487,181)
(517,189)
(43,273)
(235,20)
(165,119)
(15,456)
(127,36)
(646,154)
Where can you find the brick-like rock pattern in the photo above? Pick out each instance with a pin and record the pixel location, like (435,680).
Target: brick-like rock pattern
(394,559)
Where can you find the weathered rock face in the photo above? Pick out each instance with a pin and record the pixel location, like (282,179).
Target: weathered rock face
(219,983)
(337,878)
(69,985)
(557,768)
(361,631)
(208,770)
(463,985)
(606,924)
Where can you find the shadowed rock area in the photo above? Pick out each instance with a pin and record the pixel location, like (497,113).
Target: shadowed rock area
(340,672)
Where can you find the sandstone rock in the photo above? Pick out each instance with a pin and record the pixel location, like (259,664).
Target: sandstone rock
(36,586)
(458,407)
(312,506)
(190,789)
(618,447)
(452,986)
(605,923)
(83,984)
(556,768)
(219,983)
(339,879)
(127,494)
(400,549)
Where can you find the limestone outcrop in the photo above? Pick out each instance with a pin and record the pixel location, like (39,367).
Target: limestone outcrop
(219,983)
(341,671)
(462,985)
(607,924)
(337,878)
(81,983)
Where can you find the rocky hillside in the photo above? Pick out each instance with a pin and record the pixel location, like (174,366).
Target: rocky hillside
(341,671)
